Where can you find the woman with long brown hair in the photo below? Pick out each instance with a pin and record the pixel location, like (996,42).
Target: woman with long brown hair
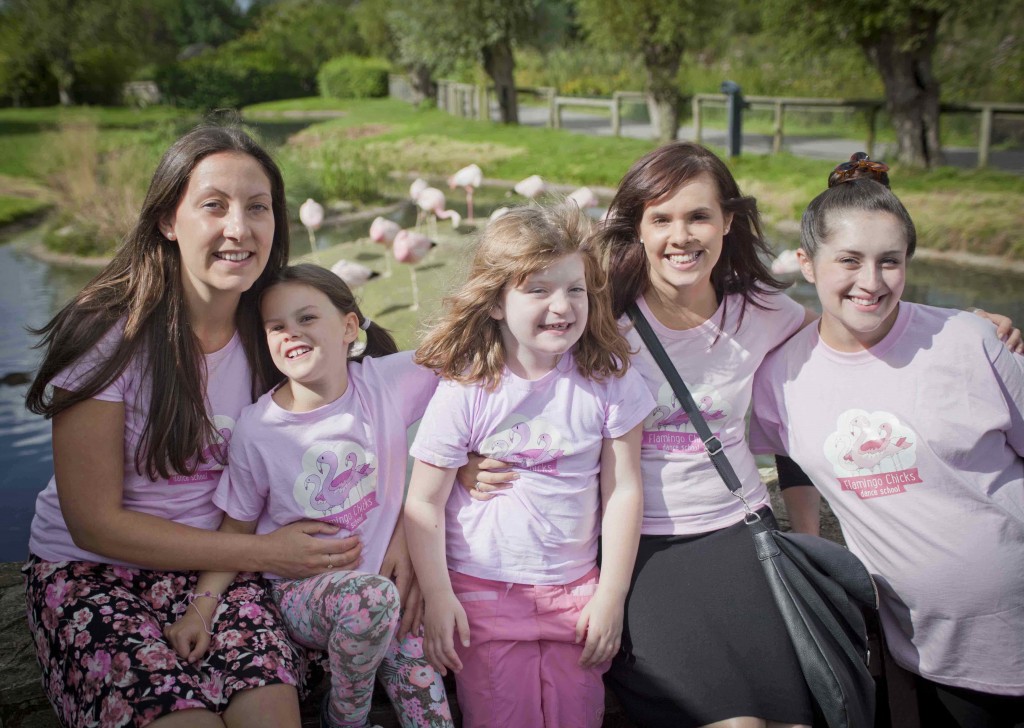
(144,374)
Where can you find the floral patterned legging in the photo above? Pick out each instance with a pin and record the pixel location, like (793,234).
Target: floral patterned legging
(354,617)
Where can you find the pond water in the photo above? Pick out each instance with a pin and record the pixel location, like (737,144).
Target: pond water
(32,291)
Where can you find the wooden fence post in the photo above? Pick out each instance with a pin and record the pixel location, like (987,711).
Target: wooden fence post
(985,136)
(780,110)
(616,115)
(697,131)
(872,120)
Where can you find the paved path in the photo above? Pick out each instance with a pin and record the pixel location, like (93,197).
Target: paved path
(815,147)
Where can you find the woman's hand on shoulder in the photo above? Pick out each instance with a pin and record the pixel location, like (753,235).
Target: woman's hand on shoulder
(295,552)
(1007,332)
(484,477)
(601,623)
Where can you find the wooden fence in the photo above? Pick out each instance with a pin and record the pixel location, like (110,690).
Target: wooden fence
(473,101)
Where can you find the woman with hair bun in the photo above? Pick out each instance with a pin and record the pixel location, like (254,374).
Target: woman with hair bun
(909,419)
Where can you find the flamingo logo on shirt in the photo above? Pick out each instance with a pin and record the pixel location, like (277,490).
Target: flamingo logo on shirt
(872,454)
(213,456)
(668,426)
(337,484)
(529,444)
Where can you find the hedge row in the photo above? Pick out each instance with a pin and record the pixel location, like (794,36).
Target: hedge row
(230,80)
(353,77)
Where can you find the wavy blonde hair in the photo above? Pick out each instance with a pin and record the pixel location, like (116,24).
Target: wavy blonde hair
(465,345)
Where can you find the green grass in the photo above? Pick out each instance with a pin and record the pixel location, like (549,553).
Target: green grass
(13,209)
(979,211)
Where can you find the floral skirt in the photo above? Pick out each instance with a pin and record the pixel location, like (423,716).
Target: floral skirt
(98,632)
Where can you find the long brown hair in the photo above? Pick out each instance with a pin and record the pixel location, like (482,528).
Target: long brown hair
(741,267)
(142,288)
(466,344)
(379,341)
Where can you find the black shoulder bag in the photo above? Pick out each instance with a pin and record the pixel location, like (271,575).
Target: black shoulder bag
(820,587)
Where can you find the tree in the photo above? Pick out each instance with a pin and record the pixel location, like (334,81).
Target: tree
(436,34)
(899,38)
(659,31)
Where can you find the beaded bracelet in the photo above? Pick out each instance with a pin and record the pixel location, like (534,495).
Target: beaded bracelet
(208,594)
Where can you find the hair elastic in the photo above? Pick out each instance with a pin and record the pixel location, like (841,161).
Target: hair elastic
(366,323)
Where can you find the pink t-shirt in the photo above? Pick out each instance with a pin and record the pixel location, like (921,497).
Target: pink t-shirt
(917,444)
(343,463)
(544,529)
(683,493)
(187,499)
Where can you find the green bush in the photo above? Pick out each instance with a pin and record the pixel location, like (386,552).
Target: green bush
(230,80)
(352,77)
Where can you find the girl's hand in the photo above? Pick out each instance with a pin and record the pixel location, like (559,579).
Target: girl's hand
(443,617)
(601,622)
(294,552)
(188,636)
(1004,329)
(483,477)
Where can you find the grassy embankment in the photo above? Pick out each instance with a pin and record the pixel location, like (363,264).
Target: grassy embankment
(352,157)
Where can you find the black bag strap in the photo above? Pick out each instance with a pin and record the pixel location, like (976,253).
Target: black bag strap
(712,445)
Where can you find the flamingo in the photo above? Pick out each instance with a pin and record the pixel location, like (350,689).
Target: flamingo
(218,451)
(498,213)
(532,187)
(431,201)
(354,274)
(311,214)
(383,231)
(337,490)
(675,418)
(786,264)
(469,178)
(317,500)
(584,198)
(411,247)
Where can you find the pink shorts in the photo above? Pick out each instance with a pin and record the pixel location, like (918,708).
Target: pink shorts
(521,668)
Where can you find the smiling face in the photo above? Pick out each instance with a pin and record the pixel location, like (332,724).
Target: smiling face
(682,234)
(308,338)
(223,226)
(543,317)
(859,272)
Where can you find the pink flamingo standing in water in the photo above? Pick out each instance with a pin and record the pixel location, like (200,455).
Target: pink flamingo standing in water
(411,247)
(383,231)
(311,214)
(431,201)
(468,178)
(531,187)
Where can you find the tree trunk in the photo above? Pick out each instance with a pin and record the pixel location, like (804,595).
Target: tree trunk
(499,64)
(63,73)
(911,89)
(661,64)
(422,82)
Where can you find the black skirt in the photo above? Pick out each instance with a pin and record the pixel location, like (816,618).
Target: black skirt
(703,640)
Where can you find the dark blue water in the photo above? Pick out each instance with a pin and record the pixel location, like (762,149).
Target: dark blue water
(31,291)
